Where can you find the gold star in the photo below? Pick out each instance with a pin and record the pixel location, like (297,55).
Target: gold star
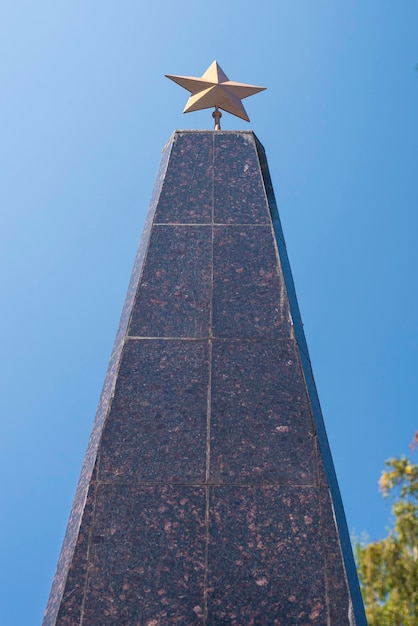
(215,89)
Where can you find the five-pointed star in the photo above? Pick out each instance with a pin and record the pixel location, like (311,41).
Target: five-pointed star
(215,89)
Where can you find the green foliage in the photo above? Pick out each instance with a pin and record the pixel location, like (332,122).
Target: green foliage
(388,569)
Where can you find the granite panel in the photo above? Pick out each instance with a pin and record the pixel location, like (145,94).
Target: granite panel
(156,429)
(338,594)
(186,196)
(249,296)
(239,196)
(261,427)
(173,298)
(65,600)
(332,483)
(268,186)
(147,556)
(73,593)
(265,562)
(291,295)
(136,272)
(322,477)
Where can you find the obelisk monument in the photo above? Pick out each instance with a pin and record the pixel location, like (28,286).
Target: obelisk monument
(208,493)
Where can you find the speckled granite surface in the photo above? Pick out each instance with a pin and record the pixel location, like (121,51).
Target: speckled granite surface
(208,494)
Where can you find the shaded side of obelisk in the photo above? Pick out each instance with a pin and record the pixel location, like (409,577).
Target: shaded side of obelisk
(208,493)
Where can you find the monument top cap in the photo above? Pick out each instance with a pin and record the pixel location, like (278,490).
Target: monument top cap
(214,89)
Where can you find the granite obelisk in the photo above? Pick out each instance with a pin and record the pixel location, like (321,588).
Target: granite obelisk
(208,493)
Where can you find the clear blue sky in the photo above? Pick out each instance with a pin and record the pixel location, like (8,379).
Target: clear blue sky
(85,111)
